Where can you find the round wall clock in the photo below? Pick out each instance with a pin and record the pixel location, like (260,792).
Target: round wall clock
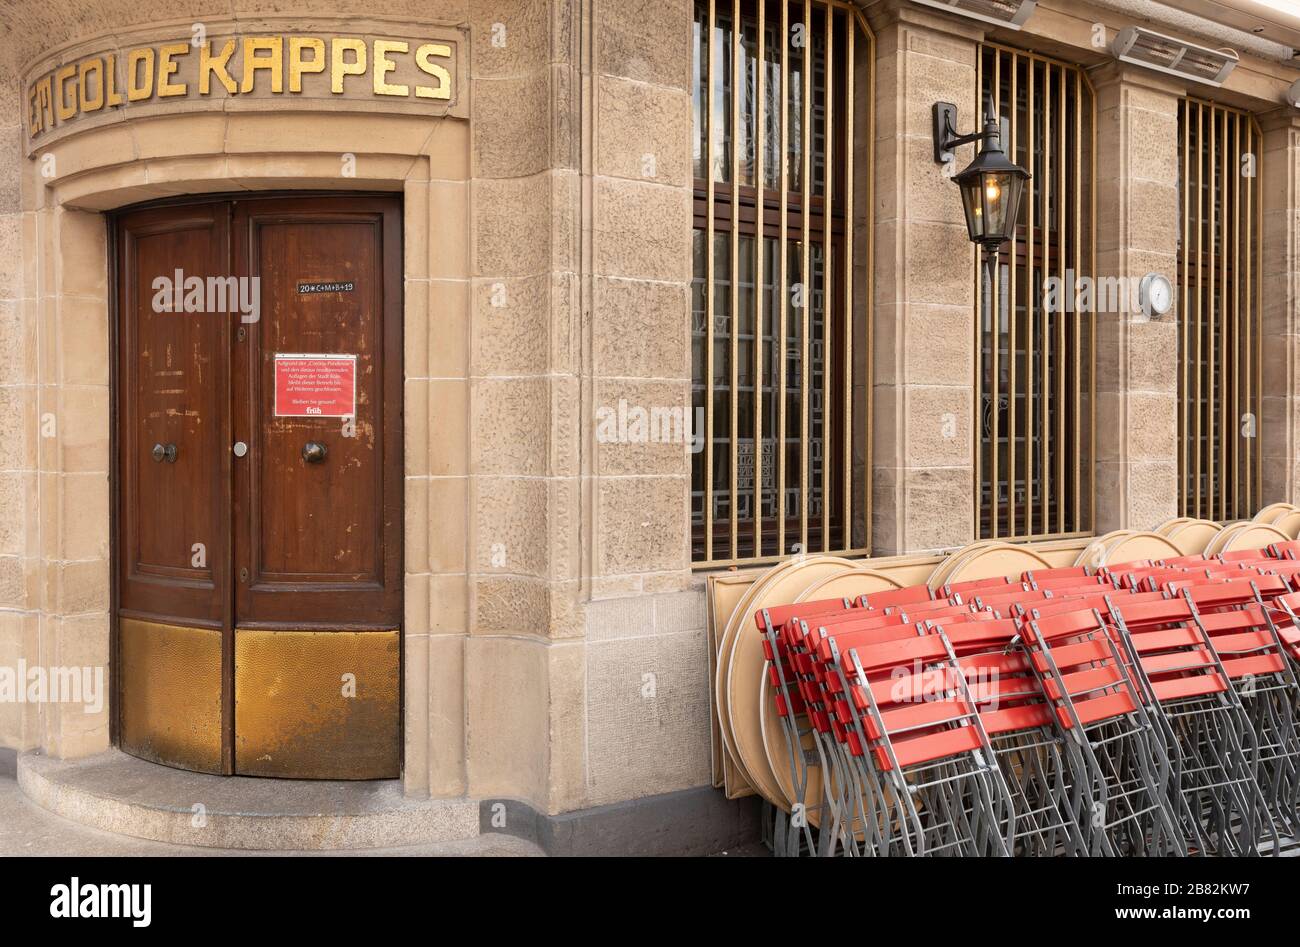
(1155,295)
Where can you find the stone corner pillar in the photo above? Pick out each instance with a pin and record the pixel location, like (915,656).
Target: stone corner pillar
(924,297)
(1136,413)
(1279,170)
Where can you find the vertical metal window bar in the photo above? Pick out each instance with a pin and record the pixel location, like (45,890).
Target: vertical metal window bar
(778,189)
(1219,311)
(1035,378)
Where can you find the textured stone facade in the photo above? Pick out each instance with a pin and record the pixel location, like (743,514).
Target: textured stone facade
(1137,367)
(1280,180)
(555,650)
(923,452)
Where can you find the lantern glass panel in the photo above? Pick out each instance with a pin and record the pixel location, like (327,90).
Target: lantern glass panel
(974,207)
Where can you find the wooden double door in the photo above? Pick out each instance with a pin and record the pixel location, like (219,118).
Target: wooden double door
(258,485)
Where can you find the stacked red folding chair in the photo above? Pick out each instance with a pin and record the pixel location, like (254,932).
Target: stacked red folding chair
(1250,645)
(1018,720)
(1122,768)
(1232,608)
(917,740)
(1149,708)
(1215,795)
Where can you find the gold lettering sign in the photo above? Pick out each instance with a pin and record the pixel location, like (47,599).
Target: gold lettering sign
(258,66)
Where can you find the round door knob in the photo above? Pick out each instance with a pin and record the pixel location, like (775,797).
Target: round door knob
(165,452)
(313,452)
(240,448)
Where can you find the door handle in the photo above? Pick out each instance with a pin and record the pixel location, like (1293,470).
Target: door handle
(167,453)
(313,452)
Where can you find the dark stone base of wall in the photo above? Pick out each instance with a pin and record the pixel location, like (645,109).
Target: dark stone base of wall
(690,822)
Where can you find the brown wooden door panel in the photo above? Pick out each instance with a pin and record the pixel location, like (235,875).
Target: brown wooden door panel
(320,541)
(321,522)
(290,549)
(173,376)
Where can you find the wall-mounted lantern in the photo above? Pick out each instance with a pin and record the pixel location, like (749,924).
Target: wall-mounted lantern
(991,186)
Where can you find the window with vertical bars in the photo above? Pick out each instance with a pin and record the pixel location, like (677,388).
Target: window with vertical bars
(1035,374)
(780,315)
(1219,335)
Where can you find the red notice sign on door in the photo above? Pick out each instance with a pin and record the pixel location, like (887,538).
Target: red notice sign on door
(316,386)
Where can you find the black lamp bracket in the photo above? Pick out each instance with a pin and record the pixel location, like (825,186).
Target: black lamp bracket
(944,132)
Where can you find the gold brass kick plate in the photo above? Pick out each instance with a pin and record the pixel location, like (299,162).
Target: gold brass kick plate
(318,704)
(170,692)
